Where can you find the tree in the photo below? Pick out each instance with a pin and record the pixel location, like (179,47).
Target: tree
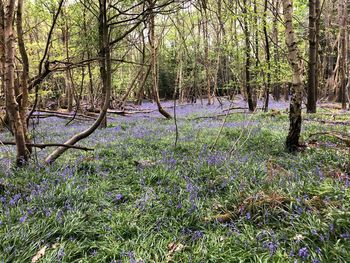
(154,56)
(14,109)
(292,142)
(268,58)
(312,72)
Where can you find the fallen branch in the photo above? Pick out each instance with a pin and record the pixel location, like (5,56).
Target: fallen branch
(340,136)
(44,116)
(235,108)
(330,122)
(42,146)
(218,115)
(66,114)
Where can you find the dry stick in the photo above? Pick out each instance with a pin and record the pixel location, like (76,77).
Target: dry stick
(42,146)
(175,122)
(235,108)
(79,98)
(34,138)
(241,135)
(221,128)
(218,115)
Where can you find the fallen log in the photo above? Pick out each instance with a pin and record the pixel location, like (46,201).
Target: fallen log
(44,116)
(65,114)
(42,146)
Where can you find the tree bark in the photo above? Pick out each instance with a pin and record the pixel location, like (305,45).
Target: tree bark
(276,79)
(247,57)
(154,51)
(268,58)
(343,53)
(13,107)
(23,101)
(312,71)
(2,47)
(292,142)
(204,14)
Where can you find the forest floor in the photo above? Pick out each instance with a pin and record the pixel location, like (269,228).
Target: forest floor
(236,197)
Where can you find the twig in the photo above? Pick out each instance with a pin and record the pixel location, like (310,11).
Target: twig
(222,127)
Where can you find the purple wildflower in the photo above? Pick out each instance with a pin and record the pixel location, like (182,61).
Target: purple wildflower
(23,218)
(60,254)
(272,247)
(197,235)
(119,197)
(303,253)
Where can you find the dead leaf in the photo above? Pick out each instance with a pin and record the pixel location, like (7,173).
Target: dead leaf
(39,255)
(275,171)
(56,245)
(172,249)
(144,163)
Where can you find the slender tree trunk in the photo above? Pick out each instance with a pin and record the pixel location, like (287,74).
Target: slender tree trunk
(140,94)
(105,61)
(67,74)
(319,72)
(247,57)
(154,50)
(343,53)
(91,85)
(276,81)
(206,50)
(23,98)
(2,47)
(267,52)
(121,103)
(312,71)
(292,142)
(13,107)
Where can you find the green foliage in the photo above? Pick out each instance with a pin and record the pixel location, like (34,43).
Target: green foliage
(103,206)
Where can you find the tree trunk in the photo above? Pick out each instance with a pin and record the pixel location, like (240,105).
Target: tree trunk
(276,81)
(247,57)
(67,74)
(267,52)
(206,51)
(343,53)
(2,47)
(154,51)
(23,98)
(13,107)
(292,142)
(105,62)
(312,71)
(106,77)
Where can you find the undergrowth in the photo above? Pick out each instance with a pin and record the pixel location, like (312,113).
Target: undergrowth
(137,198)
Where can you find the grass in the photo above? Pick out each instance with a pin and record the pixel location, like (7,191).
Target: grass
(136,196)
